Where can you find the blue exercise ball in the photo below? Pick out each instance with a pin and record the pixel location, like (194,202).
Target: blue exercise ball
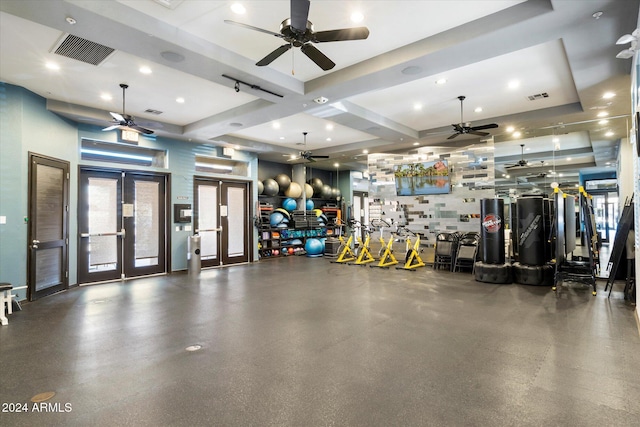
(310,205)
(313,247)
(290,204)
(275,219)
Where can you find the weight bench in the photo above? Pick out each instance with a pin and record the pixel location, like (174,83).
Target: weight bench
(5,301)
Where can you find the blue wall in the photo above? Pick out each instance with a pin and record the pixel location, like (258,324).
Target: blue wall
(27,126)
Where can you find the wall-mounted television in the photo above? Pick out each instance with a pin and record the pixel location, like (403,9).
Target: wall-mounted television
(422,178)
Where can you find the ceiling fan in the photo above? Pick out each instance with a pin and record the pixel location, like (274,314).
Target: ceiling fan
(125,121)
(298,31)
(523,162)
(463,128)
(305,154)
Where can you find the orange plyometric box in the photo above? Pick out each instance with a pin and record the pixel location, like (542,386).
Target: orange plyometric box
(332,213)
(275,234)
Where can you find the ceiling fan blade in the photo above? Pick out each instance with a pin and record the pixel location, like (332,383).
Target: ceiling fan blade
(112,127)
(251,27)
(357,33)
(140,129)
(318,57)
(117,116)
(299,15)
(318,157)
(453,136)
(273,55)
(473,132)
(483,127)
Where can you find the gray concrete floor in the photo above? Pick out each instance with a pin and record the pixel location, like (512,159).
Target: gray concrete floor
(301,342)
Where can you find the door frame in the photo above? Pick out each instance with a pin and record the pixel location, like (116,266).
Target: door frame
(248,200)
(32,294)
(167,214)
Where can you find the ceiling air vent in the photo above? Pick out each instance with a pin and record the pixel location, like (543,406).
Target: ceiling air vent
(538,96)
(152,111)
(82,49)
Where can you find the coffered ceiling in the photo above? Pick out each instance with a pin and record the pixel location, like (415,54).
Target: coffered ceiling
(540,67)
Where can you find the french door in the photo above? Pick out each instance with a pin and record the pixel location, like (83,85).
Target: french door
(221,215)
(122,223)
(48,269)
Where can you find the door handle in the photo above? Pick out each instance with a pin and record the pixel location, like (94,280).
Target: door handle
(122,233)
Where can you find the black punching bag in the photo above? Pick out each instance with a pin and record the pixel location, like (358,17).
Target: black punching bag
(491,231)
(531,239)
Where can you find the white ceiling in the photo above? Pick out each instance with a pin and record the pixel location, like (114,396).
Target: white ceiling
(552,46)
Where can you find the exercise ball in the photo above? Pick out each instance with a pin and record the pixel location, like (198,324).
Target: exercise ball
(260,187)
(308,190)
(326,191)
(294,190)
(316,184)
(335,193)
(271,187)
(275,219)
(283,211)
(289,204)
(310,205)
(283,181)
(313,247)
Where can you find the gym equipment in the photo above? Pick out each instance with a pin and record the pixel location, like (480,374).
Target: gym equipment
(326,191)
(283,181)
(271,187)
(412,259)
(275,219)
(387,259)
(532,267)
(260,187)
(492,268)
(624,225)
(294,190)
(576,270)
(345,251)
(310,204)
(308,191)
(335,193)
(313,247)
(289,204)
(363,252)
(316,185)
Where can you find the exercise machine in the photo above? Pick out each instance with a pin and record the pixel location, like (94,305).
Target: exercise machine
(412,259)
(345,250)
(386,257)
(363,252)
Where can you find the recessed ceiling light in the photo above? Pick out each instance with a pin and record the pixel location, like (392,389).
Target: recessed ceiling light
(180,100)
(608,95)
(510,129)
(514,84)
(608,133)
(416,143)
(145,70)
(328,140)
(417,106)
(603,114)
(441,81)
(608,163)
(282,137)
(568,159)
(70,20)
(276,125)
(336,165)
(527,149)
(365,151)
(52,66)
(517,134)
(603,122)
(555,139)
(478,110)
(329,126)
(561,175)
(357,17)
(293,156)
(238,9)
(508,176)
(106,97)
